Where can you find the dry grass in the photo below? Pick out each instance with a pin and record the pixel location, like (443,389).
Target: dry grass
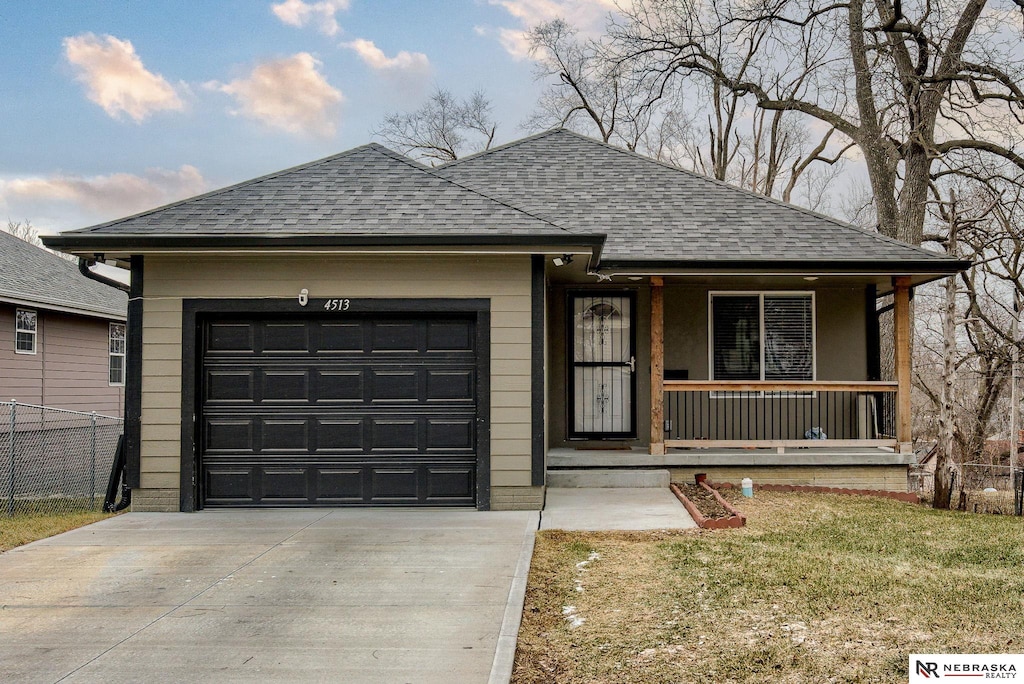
(22,529)
(816,588)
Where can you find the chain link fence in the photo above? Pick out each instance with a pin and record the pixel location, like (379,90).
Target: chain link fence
(53,460)
(986,487)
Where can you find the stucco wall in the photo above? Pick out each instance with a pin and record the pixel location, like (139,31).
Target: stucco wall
(169,279)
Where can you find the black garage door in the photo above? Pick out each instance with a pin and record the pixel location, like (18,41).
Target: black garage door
(369,410)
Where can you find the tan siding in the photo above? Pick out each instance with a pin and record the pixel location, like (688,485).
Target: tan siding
(505,281)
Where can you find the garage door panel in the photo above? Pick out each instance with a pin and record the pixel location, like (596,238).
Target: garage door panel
(395,385)
(340,485)
(285,385)
(285,435)
(340,436)
(284,485)
(450,435)
(370,410)
(450,483)
(229,385)
(340,385)
(394,337)
(341,337)
(449,336)
(234,435)
(394,435)
(285,337)
(448,385)
(230,337)
(232,485)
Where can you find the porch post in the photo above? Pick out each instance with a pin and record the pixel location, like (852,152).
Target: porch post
(901,327)
(657,366)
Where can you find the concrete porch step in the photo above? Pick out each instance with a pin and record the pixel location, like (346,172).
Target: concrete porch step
(608,478)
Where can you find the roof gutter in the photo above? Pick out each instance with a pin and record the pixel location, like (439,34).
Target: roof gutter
(83,267)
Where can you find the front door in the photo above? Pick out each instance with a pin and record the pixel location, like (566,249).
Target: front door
(602,395)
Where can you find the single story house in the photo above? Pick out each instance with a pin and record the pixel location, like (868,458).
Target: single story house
(364,330)
(62,335)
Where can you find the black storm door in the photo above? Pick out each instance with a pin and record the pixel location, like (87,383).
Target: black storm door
(602,365)
(367,410)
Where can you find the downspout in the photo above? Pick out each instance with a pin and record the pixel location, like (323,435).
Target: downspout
(83,267)
(118,474)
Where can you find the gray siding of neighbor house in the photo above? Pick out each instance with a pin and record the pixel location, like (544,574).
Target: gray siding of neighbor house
(504,280)
(69,369)
(841,346)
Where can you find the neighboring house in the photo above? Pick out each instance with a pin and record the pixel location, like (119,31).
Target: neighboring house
(363,330)
(62,335)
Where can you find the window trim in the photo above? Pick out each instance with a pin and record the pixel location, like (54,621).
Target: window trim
(34,332)
(111,354)
(760,294)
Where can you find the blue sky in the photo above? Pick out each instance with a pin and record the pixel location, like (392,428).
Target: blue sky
(112,107)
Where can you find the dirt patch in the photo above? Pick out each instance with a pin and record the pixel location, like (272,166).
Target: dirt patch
(704,500)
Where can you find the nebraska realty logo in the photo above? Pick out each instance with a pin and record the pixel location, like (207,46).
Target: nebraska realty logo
(966,667)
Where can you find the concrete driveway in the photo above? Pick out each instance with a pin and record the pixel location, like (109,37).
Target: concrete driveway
(275,595)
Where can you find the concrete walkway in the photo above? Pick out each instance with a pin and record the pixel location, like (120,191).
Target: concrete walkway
(269,596)
(646,508)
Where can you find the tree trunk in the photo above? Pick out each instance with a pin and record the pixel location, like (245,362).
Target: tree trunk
(944,454)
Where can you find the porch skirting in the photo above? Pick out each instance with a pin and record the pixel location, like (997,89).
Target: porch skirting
(865,468)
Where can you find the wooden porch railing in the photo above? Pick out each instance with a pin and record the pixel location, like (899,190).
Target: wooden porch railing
(763,414)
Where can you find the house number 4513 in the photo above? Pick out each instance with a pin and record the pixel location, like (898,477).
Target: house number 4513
(337,304)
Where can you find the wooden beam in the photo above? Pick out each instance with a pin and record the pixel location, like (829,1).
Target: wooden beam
(657,366)
(901,328)
(770,386)
(778,443)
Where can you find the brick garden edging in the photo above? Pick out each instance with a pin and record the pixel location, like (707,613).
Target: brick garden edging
(905,497)
(736,519)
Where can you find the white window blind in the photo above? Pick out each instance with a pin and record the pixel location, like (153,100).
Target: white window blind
(764,336)
(788,338)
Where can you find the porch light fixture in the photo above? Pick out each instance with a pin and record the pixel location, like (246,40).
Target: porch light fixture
(810,279)
(563,260)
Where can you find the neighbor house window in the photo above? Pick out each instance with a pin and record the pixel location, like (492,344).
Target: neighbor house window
(762,336)
(25,331)
(117,347)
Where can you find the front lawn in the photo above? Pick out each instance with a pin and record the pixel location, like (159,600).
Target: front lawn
(816,588)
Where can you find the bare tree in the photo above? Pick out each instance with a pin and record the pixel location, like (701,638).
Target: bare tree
(24,230)
(711,128)
(912,85)
(443,129)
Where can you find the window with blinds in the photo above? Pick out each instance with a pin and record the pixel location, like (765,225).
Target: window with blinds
(764,336)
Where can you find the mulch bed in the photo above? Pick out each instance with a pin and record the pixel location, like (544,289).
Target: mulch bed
(708,508)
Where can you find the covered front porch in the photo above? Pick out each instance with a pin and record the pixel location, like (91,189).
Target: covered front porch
(648,379)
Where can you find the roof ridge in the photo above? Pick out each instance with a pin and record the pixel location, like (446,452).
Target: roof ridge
(432,172)
(702,177)
(228,188)
(503,146)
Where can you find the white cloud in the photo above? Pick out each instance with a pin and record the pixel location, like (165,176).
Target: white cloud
(298,13)
(64,201)
(287,93)
(115,78)
(375,58)
(588,16)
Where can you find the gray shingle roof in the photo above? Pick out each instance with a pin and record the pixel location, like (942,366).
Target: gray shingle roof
(31,274)
(369,190)
(557,186)
(654,212)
